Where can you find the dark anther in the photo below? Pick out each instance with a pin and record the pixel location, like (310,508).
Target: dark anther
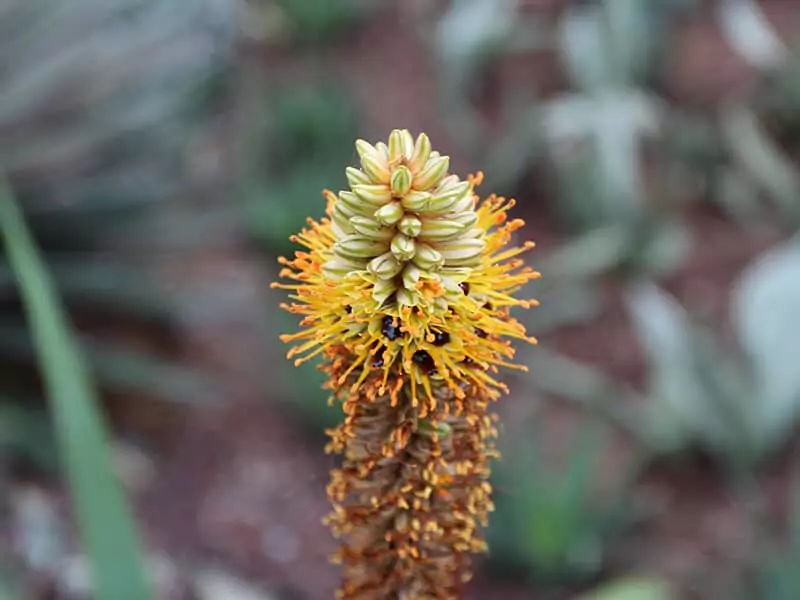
(464,287)
(424,361)
(440,338)
(348,309)
(468,361)
(377,357)
(480,332)
(488,306)
(389,328)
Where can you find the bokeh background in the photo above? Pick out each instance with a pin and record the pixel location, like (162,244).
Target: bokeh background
(163,152)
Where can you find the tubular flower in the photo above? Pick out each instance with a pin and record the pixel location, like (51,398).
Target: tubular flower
(404,291)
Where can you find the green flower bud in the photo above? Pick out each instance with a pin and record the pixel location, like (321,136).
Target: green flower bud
(403,247)
(428,258)
(421,153)
(435,230)
(444,199)
(407,297)
(410,225)
(383,288)
(433,172)
(385,266)
(460,252)
(467,219)
(376,168)
(340,221)
(415,201)
(356,246)
(401,145)
(389,214)
(411,276)
(356,176)
(371,228)
(353,204)
(374,195)
(339,267)
(401,181)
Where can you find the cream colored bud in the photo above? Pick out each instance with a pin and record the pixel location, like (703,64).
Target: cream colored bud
(355,205)
(440,229)
(401,181)
(406,297)
(410,225)
(411,275)
(456,251)
(415,201)
(403,247)
(356,246)
(401,145)
(433,172)
(356,176)
(383,288)
(389,214)
(375,167)
(421,153)
(338,267)
(428,258)
(467,219)
(444,200)
(374,195)
(463,204)
(385,266)
(371,228)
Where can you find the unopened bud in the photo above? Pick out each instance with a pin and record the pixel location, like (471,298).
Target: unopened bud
(385,266)
(356,176)
(357,246)
(377,169)
(422,150)
(410,225)
(403,247)
(433,172)
(370,228)
(428,258)
(374,195)
(389,214)
(401,181)
(415,201)
(436,230)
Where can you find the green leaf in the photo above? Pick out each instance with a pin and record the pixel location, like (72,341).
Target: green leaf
(103,516)
(764,307)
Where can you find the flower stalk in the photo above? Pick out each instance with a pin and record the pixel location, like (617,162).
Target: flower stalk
(404,292)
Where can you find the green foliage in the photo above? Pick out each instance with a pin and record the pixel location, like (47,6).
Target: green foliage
(740,407)
(318,22)
(104,518)
(94,140)
(551,523)
(305,132)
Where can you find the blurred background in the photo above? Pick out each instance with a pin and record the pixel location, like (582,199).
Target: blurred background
(161,153)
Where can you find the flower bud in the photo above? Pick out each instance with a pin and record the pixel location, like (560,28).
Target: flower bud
(357,246)
(376,168)
(410,225)
(401,181)
(371,228)
(433,172)
(356,176)
(339,267)
(444,199)
(457,252)
(407,297)
(353,204)
(411,275)
(467,219)
(385,266)
(428,258)
(374,195)
(440,229)
(403,247)
(389,214)
(401,145)
(420,154)
(415,201)
(383,288)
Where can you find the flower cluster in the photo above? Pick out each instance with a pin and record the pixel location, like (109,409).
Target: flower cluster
(405,290)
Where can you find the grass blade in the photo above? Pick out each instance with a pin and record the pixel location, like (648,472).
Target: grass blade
(104,518)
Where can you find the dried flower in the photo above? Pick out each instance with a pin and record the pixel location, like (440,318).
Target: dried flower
(405,291)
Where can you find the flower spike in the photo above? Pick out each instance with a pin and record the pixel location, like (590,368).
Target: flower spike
(404,291)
